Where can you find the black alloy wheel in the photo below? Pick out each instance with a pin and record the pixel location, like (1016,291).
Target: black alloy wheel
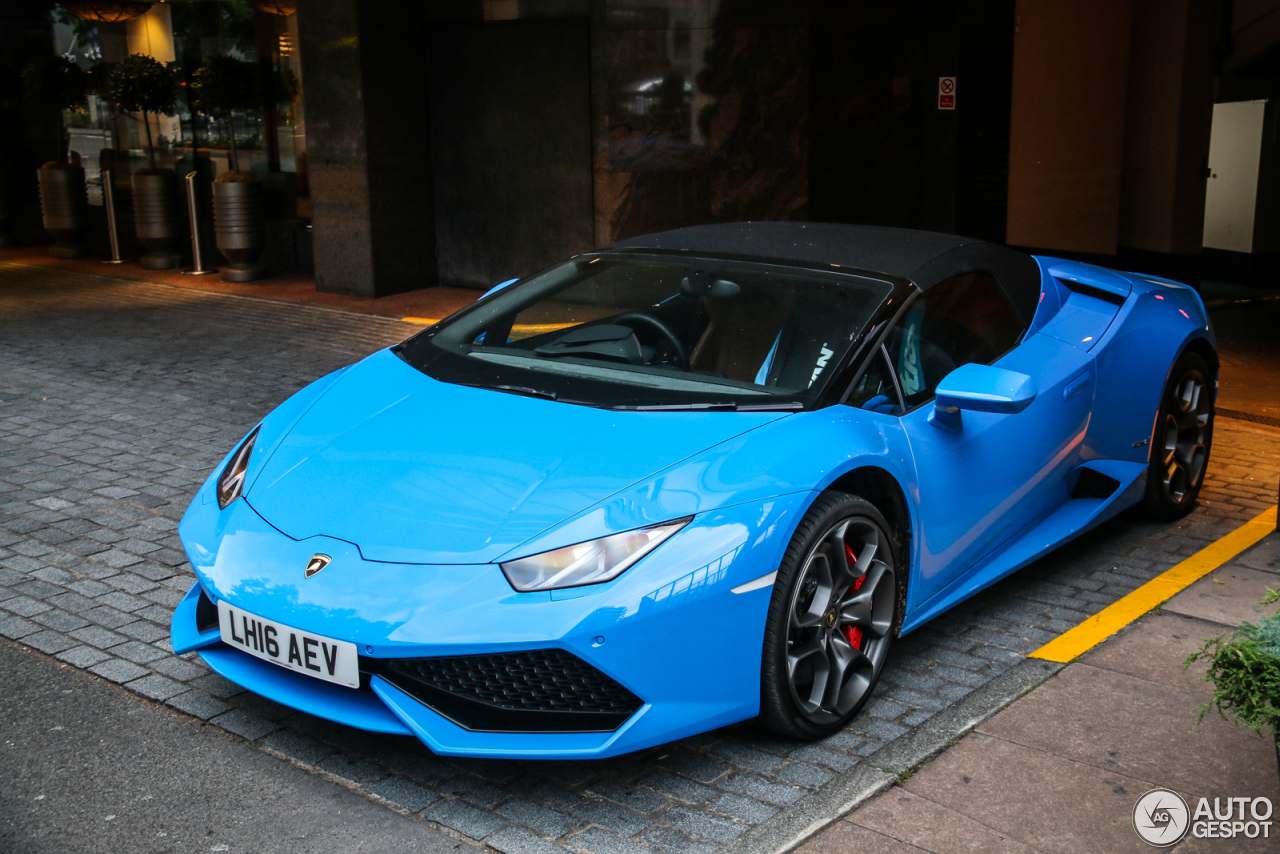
(1181,441)
(831,619)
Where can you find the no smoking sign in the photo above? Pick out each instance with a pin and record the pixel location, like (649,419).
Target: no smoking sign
(946,93)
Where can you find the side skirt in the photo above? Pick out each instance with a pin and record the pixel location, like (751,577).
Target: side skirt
(1070,520)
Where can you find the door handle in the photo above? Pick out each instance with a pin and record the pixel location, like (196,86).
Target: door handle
(1076,386)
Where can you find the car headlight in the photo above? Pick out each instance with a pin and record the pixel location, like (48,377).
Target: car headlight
(593,562)
(231,481)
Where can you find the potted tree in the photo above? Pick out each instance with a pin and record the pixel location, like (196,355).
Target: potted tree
(220,86)
(1245,672)
(142,84)
(56,83)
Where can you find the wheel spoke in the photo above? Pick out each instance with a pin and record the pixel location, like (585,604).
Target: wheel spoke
(1190,456)
(842,575)
(856,609)
(815,655)
(1188,397)
(850,669)
(808,610)
(1195,462)
(870,546)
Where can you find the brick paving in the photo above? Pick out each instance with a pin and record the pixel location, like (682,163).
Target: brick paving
(118,397)
(1250,358)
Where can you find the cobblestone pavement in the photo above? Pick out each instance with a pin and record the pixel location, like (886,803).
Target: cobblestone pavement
(1250,358)
(116,400)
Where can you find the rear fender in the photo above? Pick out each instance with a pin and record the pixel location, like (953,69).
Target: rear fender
(1157,324)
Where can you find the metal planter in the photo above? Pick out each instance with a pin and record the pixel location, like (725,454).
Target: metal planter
(65,207)
(158,217)
(239,225)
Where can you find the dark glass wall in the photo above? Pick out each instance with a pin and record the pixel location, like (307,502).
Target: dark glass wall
(698,111)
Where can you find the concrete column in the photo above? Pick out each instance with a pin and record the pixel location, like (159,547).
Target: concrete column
(1066,140)
(1170,106)
(368,149)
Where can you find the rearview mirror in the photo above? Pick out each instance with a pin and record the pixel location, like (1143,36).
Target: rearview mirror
(701,284)
(980,388)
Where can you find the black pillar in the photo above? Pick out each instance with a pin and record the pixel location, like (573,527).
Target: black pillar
(368,150)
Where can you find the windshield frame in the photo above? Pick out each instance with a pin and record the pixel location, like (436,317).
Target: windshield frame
(443,365)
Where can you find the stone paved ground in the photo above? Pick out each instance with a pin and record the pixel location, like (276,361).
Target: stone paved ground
(1250,358)
(116,400)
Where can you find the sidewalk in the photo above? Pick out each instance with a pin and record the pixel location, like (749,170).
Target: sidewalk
(1061,769)
(432,303)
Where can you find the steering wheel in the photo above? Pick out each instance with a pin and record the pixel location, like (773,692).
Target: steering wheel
(676,354)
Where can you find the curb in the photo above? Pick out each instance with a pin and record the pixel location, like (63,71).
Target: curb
(881,769)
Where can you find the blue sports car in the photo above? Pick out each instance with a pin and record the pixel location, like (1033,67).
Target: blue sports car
(689,479)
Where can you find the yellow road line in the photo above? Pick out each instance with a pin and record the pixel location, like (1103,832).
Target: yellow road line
(525,328)
(1116,616)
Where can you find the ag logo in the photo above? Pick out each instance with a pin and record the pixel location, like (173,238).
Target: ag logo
(1161,817)
(317,563)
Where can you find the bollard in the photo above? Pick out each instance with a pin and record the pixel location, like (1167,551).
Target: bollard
(197,260)
(109,200)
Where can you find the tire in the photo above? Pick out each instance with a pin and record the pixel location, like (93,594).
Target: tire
(828,616)
(1181,440)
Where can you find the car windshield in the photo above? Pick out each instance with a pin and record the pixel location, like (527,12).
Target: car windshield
(657,332)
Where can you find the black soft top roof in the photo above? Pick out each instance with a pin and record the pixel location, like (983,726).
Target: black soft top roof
(924,257)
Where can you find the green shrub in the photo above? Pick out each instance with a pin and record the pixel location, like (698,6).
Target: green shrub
(1245,672)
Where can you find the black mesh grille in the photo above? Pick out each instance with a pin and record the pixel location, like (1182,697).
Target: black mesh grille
(544,690)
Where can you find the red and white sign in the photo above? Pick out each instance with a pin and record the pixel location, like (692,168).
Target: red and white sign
(946,93)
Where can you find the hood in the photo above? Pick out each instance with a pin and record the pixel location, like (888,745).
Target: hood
(413,470)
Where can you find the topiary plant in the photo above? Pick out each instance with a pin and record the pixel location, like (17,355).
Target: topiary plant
(1245,672)
(142,84)
(222,84)
(54,82)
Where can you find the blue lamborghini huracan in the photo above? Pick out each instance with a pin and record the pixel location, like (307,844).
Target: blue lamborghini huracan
(689,479)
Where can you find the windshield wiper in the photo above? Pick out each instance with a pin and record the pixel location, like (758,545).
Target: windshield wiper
(525,391)
(789,406)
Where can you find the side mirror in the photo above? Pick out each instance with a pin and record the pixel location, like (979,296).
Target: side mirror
(981,388)
(496,288)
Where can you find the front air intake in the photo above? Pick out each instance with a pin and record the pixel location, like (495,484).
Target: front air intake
(542,690)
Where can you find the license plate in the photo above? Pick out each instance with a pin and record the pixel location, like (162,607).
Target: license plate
(315,655)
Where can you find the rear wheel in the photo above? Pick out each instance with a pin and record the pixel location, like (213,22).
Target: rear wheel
(1182,439)
(831,619)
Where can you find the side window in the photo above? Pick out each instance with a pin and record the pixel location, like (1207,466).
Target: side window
(964,319)
(875,389)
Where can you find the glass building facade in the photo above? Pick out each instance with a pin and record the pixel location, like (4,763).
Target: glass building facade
(267,127)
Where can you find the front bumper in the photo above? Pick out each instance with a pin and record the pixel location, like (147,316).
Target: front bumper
(670,630)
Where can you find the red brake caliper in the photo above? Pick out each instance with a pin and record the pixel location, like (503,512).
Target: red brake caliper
(854,633)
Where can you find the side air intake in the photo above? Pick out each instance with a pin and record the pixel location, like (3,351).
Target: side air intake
(1092,484)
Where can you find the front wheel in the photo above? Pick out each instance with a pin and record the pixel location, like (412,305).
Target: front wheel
(1182,439)
(831,619)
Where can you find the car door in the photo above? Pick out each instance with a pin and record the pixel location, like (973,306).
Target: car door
(978,487)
